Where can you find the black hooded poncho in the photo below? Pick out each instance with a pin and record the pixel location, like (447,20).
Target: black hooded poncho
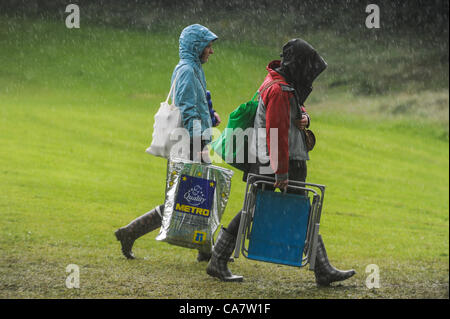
(300,66)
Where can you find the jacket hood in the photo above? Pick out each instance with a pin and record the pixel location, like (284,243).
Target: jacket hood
(301,65)
(193,40)
(271,67)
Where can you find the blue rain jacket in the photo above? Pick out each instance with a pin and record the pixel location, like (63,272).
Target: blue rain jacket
(190,88)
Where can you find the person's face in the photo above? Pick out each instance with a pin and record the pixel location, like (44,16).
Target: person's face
(206,53)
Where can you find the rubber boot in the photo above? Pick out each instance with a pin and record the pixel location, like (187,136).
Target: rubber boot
(217,266)
(202,256)
(137,228)
(325,273)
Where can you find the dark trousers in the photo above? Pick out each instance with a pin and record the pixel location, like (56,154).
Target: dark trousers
(193,156)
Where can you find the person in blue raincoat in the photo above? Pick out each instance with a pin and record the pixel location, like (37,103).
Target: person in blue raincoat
(193,100)
(190,89)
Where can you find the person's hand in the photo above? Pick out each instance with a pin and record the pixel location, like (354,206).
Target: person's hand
(301,124)
(217,119)
(282,185)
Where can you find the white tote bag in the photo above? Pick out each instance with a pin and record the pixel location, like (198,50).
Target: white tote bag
(167,119)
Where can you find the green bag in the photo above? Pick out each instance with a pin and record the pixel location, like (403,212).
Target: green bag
(242,118)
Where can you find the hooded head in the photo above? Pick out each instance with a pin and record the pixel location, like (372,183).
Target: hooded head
(193,40)
(301,65)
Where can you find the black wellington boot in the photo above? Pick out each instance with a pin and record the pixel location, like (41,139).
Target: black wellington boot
(137,228)
(202,256)
(325,273)
(217,266)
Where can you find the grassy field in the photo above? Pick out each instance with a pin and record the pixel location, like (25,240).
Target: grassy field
(76,114)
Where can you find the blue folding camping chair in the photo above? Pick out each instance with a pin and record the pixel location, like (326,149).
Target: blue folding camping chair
(280,227)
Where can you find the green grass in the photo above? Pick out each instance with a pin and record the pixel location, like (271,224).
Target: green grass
(76,114)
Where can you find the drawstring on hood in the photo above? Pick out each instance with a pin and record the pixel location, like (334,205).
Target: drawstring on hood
(300,66)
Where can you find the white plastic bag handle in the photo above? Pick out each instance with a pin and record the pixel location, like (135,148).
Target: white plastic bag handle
(172,89)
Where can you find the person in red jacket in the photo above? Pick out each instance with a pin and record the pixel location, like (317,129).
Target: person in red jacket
(283,155)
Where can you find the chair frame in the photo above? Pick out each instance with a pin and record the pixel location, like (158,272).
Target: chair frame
(256,182)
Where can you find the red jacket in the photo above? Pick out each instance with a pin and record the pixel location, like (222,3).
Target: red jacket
(280,107)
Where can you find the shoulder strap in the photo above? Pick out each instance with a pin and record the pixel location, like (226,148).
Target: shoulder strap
(268,85)
(201,83)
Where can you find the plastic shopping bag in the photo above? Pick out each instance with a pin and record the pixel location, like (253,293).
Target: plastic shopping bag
(196,197)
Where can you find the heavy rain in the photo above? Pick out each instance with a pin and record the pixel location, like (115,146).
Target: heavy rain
(82,82)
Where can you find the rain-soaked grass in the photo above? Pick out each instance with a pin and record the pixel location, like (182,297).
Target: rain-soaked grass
(76,110)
